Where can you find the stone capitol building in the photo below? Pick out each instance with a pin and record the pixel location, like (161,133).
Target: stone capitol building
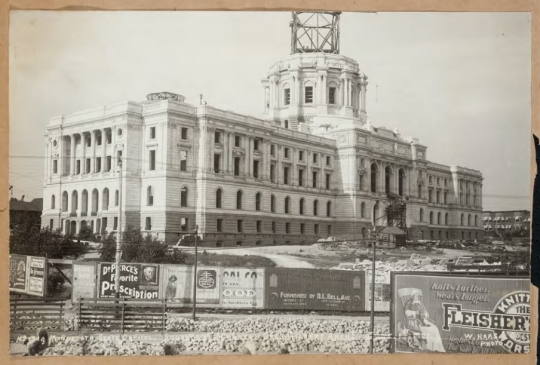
(312,166)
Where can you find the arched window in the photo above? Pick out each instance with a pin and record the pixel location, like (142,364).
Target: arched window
(116,197)
(401,182)
(446,219)
(469,220)
(421,215)
(363,210)
(430,217)
(373,178)
(150,196)
(462,219)
(84,207)
(184,197)
(258,201)
(315,207)
(95,200)
(74,201)
(65,201)
(476,221)
(239,199)
(329,209)
(53,202)
(376,215)
(273,203)
(439,218)
(301,206)
(387,179)
(287,204)
(219,194)
(105,203)
(286,124)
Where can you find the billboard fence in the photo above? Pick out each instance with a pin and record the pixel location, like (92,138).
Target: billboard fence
(28,275)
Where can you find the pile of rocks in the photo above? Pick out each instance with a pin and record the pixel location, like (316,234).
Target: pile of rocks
(273,325)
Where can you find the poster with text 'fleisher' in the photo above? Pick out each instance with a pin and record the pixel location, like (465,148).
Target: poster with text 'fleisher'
(460,314)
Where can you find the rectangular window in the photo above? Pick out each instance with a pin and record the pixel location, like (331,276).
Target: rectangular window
(184,134)
(328,181)
(329,229)
(55,166)
(217,137)
(87,165)
(316,229)
(240,226)
(78,167)
(315,157)
(89,142)
(331,95)
(300,177)
(328,161)
(259,226)
(109,163)
(285,175)
(445,197)
(430,196)
(272,150)
(98,139)
(273,173)
(287,227)
(152,132)
(217,160)
(309,94)
(286,152)
(302,228)
(420,191)
(256,169)
(237,166)
(148,225)
(115,223)
(119,156)
(152,161)
(315,179)
(256,144)
(108,136)
(237,141)
(219,225)
(51,224)
(98,164)
(273,227)
(287,96)
(438,197)
(300,155)
(183,161)
(184,224)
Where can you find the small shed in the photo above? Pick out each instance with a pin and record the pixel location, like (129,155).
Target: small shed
(393,236)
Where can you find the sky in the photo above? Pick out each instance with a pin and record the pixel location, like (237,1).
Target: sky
(459,82)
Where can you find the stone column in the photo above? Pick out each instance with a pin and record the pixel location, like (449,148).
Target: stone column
(246,157)
(279,165)
(113,151)
(225,154)
(382,180)
(231,156)
(103,149)
(308,177)
(72,156)
(93,159)
(363,87)
(271,96)
(294,173)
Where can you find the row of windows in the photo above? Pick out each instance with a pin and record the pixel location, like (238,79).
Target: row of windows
(438,217)
(258,227)
(99,165)
(439,235)
(84,207)
(308,95)
(445,181)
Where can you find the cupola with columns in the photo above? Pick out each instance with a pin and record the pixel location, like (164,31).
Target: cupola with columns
(315,80)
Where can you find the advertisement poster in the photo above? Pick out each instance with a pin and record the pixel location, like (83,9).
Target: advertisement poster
(383,292)
(242,288)
(17,273)
(314,289)
(84,281)
(37,276)
(137,281)
(177,284)
(460,314)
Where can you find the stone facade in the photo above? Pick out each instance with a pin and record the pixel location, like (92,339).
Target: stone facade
(313,166)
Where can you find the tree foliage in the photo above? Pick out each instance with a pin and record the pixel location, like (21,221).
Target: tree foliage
(139,248)
(30,240)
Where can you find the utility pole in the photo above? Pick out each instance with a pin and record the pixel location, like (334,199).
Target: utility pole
(195,274)
(119,232)
(374,243)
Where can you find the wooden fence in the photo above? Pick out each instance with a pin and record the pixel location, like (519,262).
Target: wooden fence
(28,313)
(121,315)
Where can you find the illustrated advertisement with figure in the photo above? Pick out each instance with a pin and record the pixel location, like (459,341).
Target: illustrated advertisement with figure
(442,313)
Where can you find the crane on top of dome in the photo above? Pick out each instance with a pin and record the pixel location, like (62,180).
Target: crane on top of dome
(315,32)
